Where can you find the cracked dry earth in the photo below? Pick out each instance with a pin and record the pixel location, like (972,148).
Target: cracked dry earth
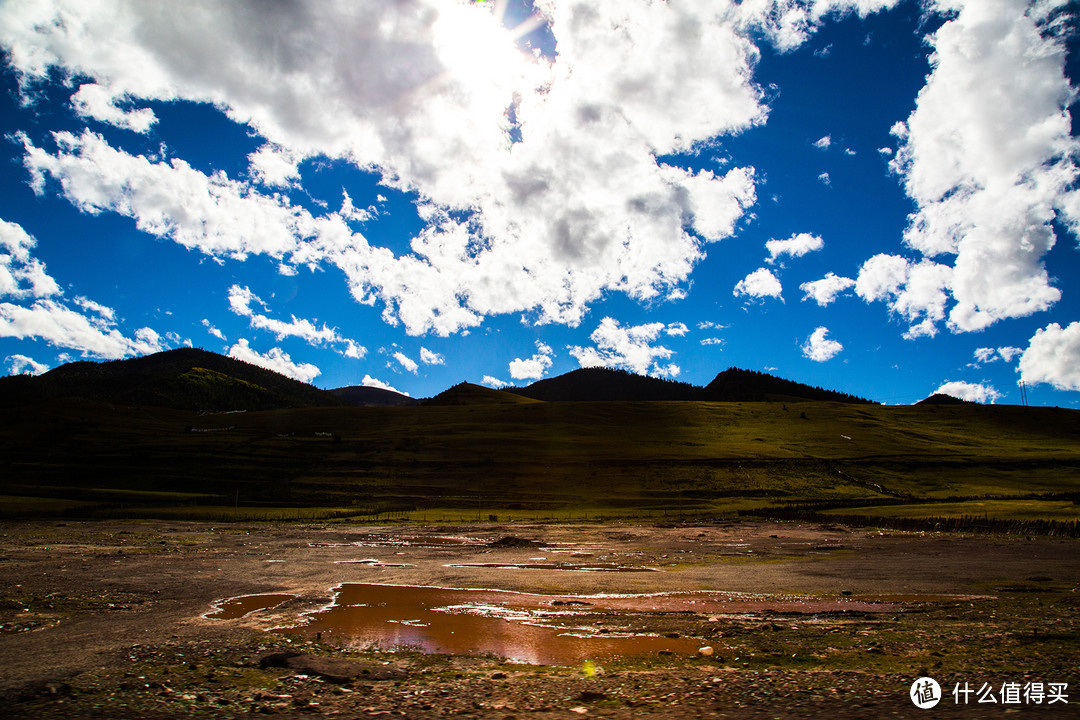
(110,620)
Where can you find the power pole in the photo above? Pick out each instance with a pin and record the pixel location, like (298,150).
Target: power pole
(1023,393)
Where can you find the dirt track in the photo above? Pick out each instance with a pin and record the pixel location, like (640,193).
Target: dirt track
(105,619)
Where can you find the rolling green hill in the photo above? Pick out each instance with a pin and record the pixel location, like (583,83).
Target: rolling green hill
(186,378)
(535,459)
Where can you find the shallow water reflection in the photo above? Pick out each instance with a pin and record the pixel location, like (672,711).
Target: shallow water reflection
(238,607)
(537,629)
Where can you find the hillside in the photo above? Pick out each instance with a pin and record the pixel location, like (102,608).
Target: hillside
(469,394)
(185,378)
(363,396)
(529,458)
(732,385)
(604,384)
(736,385)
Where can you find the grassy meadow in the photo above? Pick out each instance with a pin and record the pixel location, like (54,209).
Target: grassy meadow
(537,460)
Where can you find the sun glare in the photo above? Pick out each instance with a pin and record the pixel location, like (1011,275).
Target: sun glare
(479,52)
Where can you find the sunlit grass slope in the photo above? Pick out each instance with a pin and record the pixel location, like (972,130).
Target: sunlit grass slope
(522,456)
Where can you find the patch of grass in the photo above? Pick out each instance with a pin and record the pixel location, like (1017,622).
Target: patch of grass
(534,460)
(992,509)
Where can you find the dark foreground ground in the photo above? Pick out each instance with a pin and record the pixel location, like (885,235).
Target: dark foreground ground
(105,620)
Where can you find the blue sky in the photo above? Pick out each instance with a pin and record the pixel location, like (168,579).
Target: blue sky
(876,196)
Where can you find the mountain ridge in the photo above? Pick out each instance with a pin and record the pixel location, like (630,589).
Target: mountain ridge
(196,379)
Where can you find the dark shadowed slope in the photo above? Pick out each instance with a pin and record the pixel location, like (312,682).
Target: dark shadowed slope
(603,384)
(186,378)
(469,394)
(942,399)
(732,385)
(363,396)
(737,385)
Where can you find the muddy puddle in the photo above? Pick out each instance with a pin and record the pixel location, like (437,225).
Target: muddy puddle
(531,628)
(535,629)
(238,607)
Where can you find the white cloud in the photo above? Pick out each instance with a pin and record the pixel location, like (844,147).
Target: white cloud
(60,326)
(87,304)
(819,348)
(711,325)
(1053,357)
(406,362)
(915,291)
(826,290)
(1008,353)
(788,23)
(972,392)
(986,355)
(532,368)
(823,143)
(795,246)
(274,166)
(628,348)
(24,277)
(276,359)
(431,358)
(369,381)
(759,284)
(824,178)
(23,365)
(495,382)
(711,341)
(101,104)
(21,274)
(988,158)
(419,92)
(214,331)
(241,299)
(676,329)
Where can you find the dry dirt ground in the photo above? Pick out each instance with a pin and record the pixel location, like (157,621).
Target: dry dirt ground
(106,620)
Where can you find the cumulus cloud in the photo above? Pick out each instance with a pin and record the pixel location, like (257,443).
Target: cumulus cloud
(431,358)
(827,289)
(823,143)
(276,359)
(988,158)
(241,300)
(759,284)
(21,274)
(495,382)
(676,329)
(917,292)
(1053,357)
(535,367)
(986,355)
(711,341)
(627,348)
(406,362)
(369,381)
(795,246)
(274,166)
(545,214)
(972,392)
(102,104)
(819,347)
(23,365)
(92,332)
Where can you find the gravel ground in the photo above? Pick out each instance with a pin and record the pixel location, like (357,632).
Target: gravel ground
(106,620)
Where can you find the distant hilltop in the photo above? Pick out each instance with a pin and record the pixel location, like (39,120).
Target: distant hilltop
(194,379)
